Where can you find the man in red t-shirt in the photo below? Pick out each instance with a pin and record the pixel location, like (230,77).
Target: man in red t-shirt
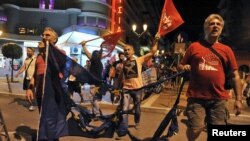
(206,93)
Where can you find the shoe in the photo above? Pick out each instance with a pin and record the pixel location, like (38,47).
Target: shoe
(32,108)
(119,137)
(137,126)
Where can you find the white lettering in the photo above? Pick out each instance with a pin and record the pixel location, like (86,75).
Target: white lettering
(216,132)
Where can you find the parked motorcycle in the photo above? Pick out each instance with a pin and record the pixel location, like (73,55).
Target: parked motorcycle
(154,89)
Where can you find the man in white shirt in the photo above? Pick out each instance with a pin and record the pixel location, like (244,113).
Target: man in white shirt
(29,68)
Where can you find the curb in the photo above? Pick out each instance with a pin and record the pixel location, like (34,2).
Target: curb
(12,94)
(160,110)
(104,104)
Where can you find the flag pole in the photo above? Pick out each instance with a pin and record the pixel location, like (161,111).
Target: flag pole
(99,37)
(93,39)
(90,40)
(121,43)
(43,84)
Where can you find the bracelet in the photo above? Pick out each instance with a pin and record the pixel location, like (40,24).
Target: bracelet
(31,86)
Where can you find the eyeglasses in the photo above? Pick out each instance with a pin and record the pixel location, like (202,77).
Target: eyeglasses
(45,35)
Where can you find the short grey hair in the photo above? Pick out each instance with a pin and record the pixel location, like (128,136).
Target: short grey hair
(52,30)
(213,16)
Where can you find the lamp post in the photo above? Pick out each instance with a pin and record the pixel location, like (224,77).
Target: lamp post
(134,27)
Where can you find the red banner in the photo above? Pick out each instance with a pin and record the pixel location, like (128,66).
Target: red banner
(110,41)
(170,18)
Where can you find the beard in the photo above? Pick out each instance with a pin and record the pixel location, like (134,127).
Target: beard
(29,55)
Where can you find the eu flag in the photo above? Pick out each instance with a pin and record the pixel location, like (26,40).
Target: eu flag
(56,118)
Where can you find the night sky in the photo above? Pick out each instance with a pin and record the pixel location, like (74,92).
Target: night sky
(194,13)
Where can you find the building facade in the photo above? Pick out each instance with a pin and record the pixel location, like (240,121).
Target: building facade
(83,19)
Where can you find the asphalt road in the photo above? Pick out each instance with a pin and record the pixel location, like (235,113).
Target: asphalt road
(18,119)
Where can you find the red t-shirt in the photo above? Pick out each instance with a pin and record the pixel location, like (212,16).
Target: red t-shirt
(40,65)
(207,75)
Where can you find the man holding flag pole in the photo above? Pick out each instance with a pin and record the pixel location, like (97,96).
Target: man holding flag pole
(52,69)
(42,93)
(170,20)
(96,67)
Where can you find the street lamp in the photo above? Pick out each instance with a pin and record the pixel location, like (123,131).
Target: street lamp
(145,26)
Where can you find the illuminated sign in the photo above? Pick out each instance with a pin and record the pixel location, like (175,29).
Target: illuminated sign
(42,4)
(24,30)
(3,18)
(117,11)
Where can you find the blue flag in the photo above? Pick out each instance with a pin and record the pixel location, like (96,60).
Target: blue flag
(56,117)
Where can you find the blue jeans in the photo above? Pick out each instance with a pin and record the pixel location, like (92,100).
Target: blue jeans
(136,96)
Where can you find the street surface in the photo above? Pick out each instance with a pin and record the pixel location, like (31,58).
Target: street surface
(18,119)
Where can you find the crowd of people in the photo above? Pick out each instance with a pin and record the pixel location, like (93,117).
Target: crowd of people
(206,93)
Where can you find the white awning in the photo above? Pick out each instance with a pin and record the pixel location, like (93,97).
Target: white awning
(74,38)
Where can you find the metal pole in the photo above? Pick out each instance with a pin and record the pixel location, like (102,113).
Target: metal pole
(8,81)
(2,123)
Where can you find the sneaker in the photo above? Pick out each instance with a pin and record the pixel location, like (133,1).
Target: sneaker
(32,108)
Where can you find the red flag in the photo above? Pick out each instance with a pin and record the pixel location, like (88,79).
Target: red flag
(170,18)
(110,41)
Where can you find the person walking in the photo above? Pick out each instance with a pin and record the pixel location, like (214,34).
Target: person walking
(29,68)
(206,94)
(132,82)
(96,68)
(36,89)
(49,35)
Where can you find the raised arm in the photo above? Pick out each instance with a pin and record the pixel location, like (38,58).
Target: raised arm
(153,49)
(88,54)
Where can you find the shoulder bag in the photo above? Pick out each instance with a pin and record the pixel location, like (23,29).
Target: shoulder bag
(26,82)
(228,76)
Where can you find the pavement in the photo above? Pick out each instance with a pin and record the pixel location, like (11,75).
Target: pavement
(18,119)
